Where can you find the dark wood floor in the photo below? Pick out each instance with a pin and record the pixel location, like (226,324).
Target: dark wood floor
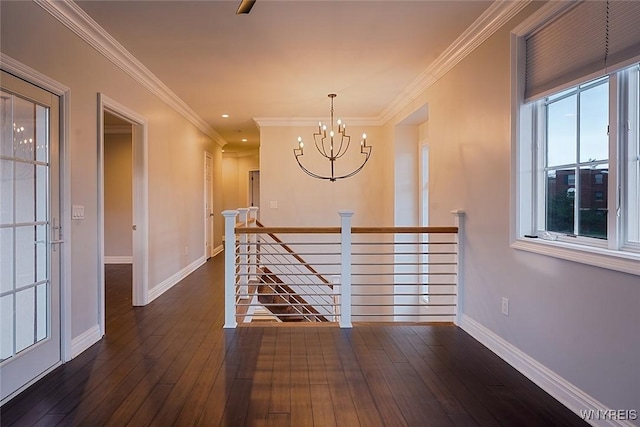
(171,363)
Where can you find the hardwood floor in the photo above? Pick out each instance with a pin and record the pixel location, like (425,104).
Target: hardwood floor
(171,363)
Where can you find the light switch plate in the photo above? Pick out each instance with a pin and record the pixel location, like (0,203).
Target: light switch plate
(77,212)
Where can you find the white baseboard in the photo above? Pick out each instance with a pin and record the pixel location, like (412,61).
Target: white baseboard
(172,280)
(559,388)
(85,340)
(118,259)
(217,250)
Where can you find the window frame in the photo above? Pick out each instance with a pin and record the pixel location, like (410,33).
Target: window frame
(616,252)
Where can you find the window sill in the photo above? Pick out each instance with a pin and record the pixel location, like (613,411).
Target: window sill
(626,262)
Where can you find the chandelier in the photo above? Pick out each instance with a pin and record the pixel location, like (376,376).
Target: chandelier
(332,146)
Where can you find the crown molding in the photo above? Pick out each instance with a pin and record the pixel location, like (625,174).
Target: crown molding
(240,154)
(79,22)
(498,14)
(310,121)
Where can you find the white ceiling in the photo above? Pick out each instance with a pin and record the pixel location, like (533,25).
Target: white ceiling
(283,58)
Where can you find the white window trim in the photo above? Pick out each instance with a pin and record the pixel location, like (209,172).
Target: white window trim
(523,188)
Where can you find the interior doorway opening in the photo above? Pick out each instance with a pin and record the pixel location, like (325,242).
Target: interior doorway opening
(254,189)
(118,213)
(130,217)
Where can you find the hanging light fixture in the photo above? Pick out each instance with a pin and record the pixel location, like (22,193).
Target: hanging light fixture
(332,145)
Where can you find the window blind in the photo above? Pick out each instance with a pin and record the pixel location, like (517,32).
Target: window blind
(588,38)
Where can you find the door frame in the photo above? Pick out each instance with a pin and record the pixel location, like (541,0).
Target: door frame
(250,189)
(140,288)
(34,77)
(208,192)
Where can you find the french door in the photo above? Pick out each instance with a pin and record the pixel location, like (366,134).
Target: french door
(30,234)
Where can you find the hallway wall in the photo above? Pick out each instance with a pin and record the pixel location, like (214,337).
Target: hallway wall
(175,153)
(578,321)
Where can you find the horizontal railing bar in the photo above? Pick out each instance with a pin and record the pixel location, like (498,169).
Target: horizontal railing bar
(285,263)
(402,243)
(403,295)
(403,274)
(354,230)
(404,305)
(402,284)
(404,230)
(401,314)
(269,294)
(400,263)
(274,304)
(400,253)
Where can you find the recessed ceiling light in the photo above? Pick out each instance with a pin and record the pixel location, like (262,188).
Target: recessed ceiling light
(244,139)
(226,116)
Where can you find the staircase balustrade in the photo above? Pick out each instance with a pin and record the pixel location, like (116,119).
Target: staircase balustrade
(341,274)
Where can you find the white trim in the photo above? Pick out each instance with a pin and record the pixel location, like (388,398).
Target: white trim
(626,262)
(117,129)
(218,249)
(486,25)
(85,340)
(313,121)
(80,23)
(118,259)
(208,192)
(140,202)
(559,388)
(173,280)
(239,154)
(27,73)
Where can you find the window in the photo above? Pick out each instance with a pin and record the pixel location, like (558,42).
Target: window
(573,148)
(577,169)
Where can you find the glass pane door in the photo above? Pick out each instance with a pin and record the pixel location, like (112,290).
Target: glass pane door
(29,285)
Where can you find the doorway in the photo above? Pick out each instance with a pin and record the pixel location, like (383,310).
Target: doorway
(254,189)
(208,205)
(30,234)
(138,219)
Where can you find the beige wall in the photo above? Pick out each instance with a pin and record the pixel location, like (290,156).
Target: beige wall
(575,319)
(306,201)
(175,154)
(118,204)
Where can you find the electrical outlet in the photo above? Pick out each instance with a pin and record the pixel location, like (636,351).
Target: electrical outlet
(186,250)
(505,306)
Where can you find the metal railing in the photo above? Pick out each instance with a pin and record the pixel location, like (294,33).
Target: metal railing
(340,274)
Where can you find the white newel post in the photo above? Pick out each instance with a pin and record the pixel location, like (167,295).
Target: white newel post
(459,299)
(253,244)
(345,270)
(229,268)
(243,271)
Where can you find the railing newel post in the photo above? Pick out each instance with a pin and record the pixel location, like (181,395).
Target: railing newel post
(459,298)
(253,244)
(243,274)
(345,268)
(229,269)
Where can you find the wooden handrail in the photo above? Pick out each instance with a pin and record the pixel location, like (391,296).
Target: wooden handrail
(336,230)
(404,230)
(287,230)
